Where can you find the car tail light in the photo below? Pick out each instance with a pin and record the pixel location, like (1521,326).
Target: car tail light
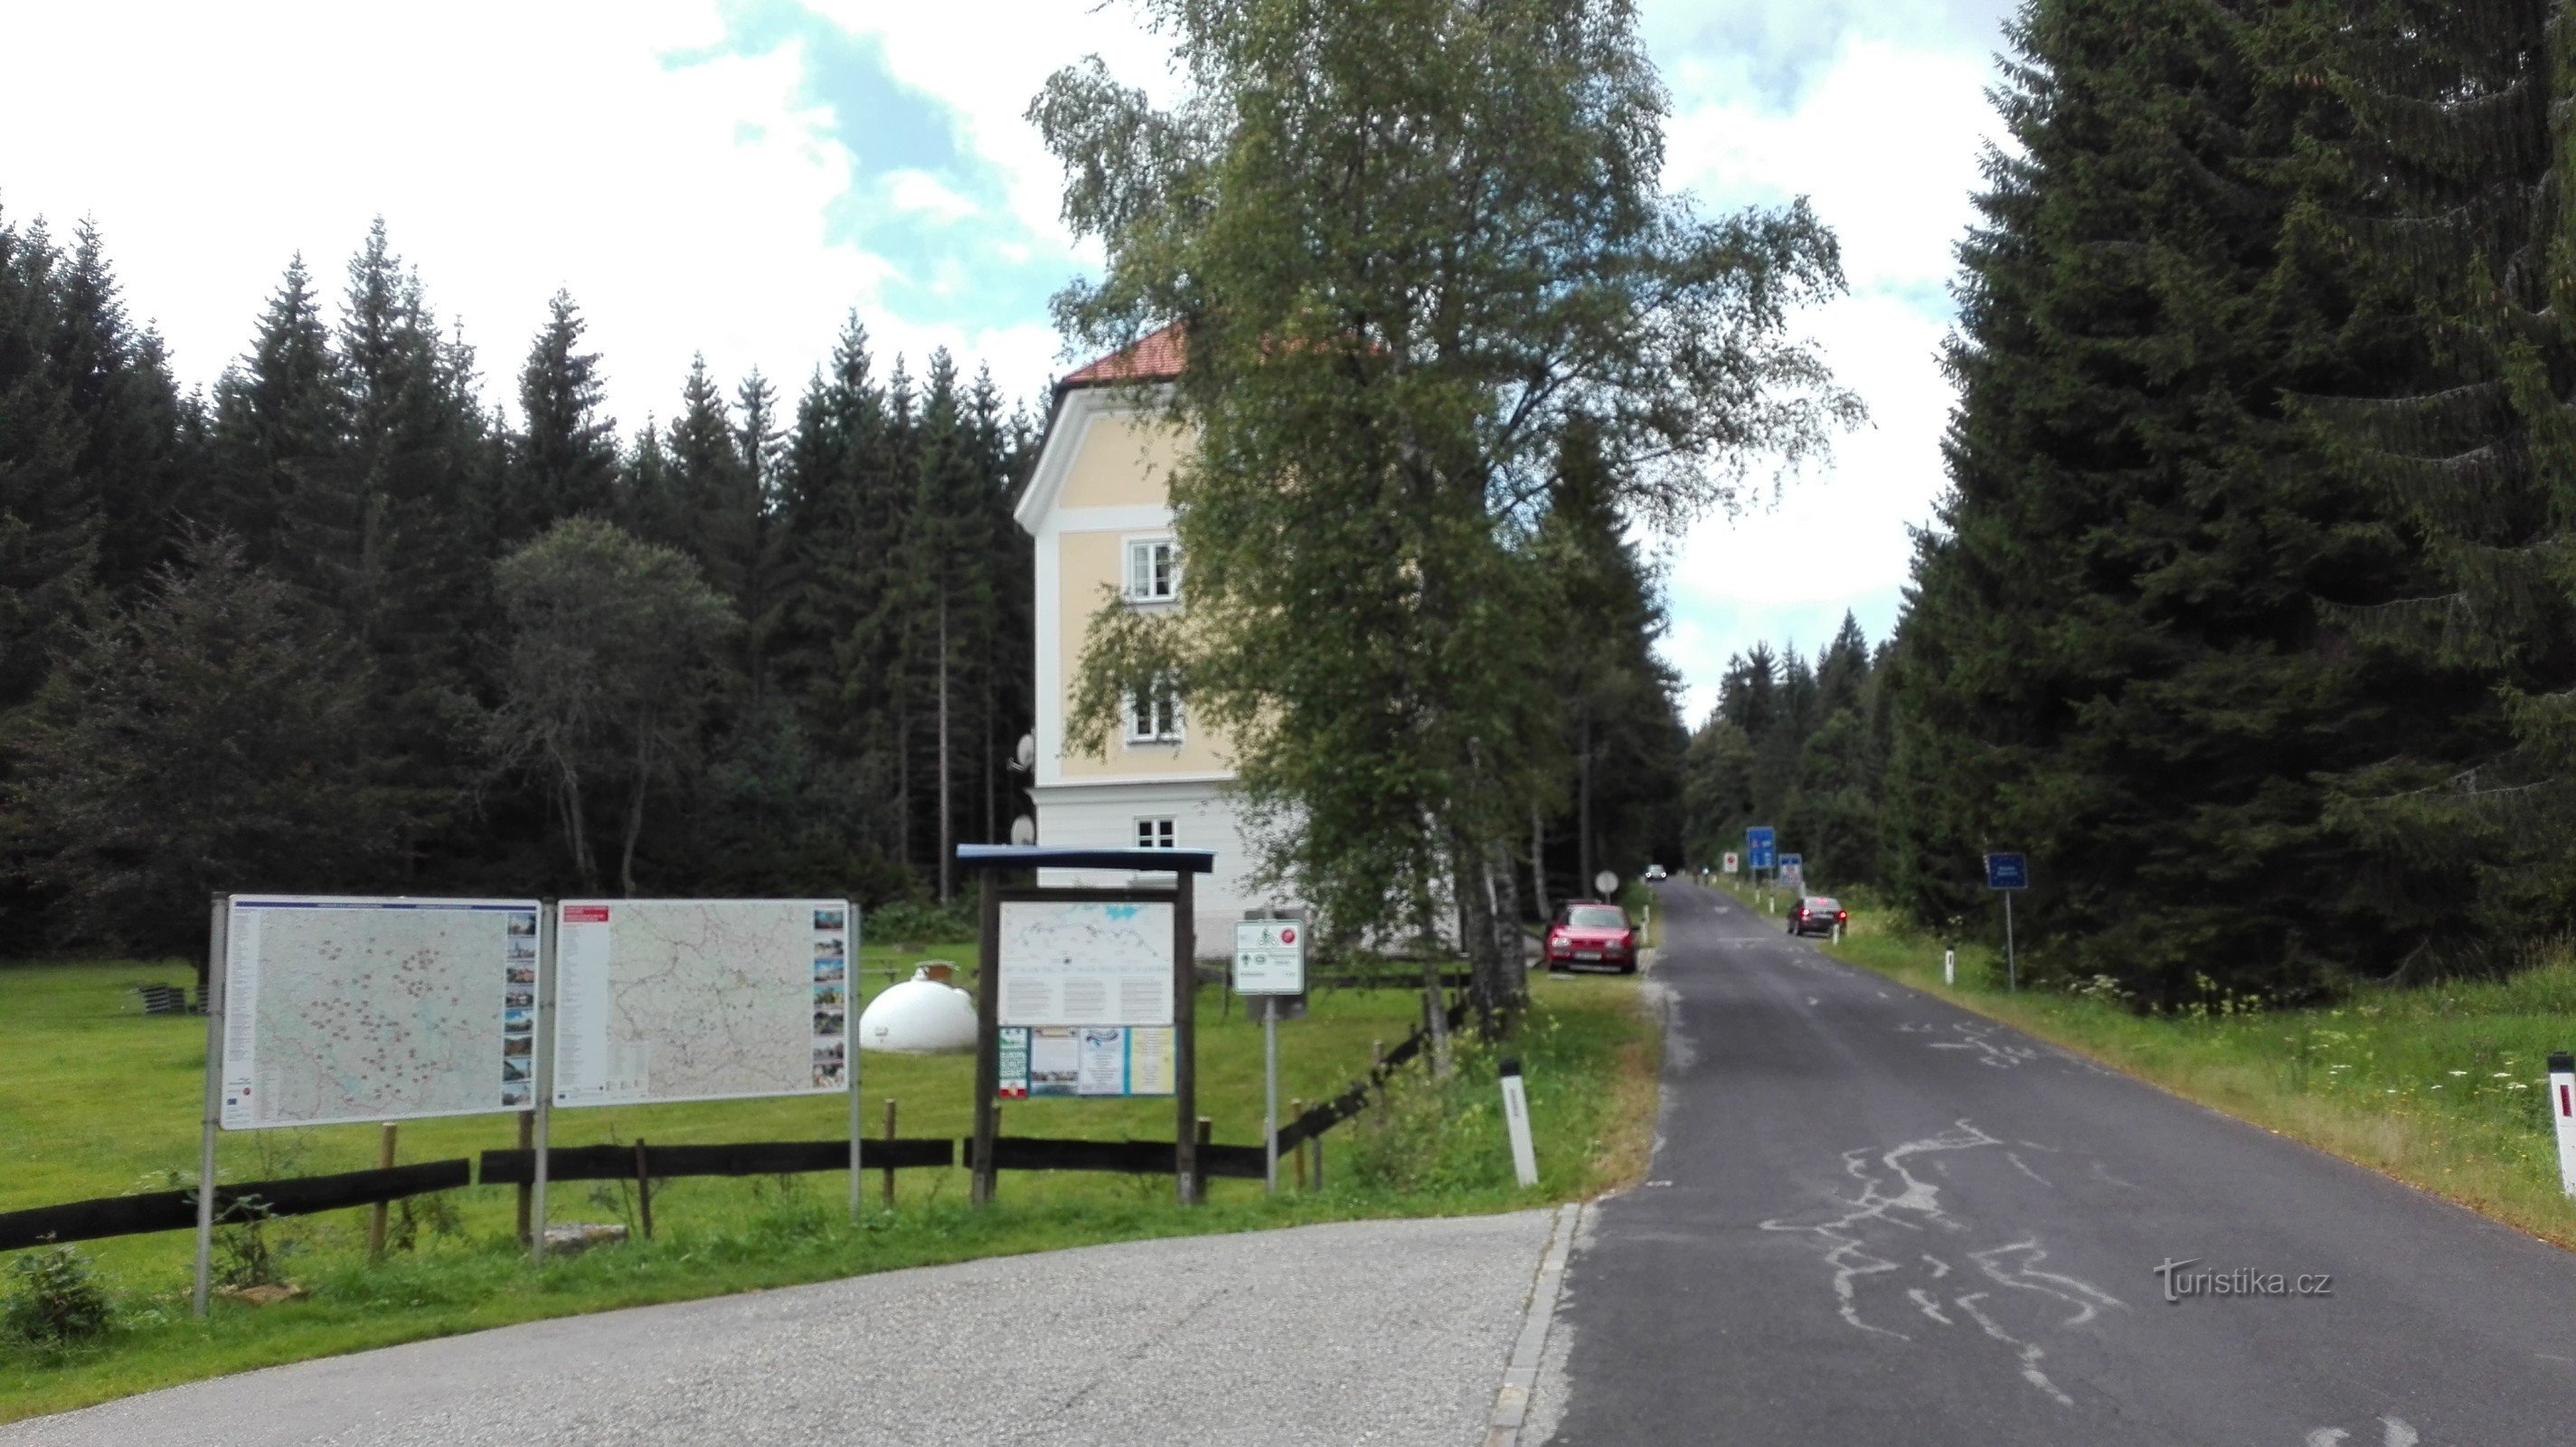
(1842,914)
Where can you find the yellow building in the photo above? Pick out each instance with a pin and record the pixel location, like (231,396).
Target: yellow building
(1099,506)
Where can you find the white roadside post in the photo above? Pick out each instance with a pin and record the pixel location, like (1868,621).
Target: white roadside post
(1949,967)
(2562,1110)
(1516,1117)
(1270,967)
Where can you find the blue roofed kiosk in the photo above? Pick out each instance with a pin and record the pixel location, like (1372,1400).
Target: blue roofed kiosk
(991,861)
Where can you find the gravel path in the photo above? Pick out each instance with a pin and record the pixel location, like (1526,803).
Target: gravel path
(1365,1332)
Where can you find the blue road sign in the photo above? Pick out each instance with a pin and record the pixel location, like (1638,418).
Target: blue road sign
(1758,846)
(2007,871)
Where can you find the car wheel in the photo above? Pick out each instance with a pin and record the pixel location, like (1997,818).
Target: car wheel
(1629,968)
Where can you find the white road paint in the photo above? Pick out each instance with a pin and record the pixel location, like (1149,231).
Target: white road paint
(1897,1193)
(1986,1049)
(2018,1165)
(2030,1354)
(2394,1433)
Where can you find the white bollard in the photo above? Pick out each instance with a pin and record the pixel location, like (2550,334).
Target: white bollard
(1949,967)
(1516,1117)
(2562,1109)
(1838,931)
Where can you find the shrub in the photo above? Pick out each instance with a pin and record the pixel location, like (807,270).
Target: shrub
(915,921)
(54,1300)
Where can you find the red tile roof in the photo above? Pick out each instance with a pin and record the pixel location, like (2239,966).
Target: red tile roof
(1156,357)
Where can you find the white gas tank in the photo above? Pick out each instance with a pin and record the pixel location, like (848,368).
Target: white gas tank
(924,1015)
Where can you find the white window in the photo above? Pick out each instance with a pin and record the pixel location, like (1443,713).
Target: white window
(1154,716)
(1156,834)
(1153,571)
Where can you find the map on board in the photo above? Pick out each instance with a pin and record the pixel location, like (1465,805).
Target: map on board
(701,999)
(359,1009)
(1085,962)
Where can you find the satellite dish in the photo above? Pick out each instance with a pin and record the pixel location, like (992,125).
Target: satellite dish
(1605,884)
(1024,831)
(1025,757)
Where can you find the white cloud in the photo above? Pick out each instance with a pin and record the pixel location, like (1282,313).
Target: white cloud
(1885,141)
(918,193)
(516,148)
(512,149)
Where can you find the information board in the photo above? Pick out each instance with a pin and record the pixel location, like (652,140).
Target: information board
(701,999)
(1270,957)
(1084,962)
(1760,842)
(2007,871)
(369,1008)
(1085,1060)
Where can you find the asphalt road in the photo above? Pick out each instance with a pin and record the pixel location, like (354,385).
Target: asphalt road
(1390,1332)
(1875,1218)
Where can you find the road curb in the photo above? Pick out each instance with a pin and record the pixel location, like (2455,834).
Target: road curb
(1520,1375)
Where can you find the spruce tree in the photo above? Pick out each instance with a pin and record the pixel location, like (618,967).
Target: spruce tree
(276,421)
(49,511)
(564,457)
(2115,656)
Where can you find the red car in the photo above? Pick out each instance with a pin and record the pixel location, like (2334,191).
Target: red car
(1588,932)
(1817,915)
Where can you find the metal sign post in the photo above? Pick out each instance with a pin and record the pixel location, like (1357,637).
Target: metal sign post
(851,918)
(218,955)
(1269,969)
(2008,873)
(544,1095)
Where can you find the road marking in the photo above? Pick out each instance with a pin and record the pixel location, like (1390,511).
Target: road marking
(2031,1355)
(2025,1170)
(2395,1433)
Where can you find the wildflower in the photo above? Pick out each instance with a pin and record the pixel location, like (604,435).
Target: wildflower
(2504,1075)
(2459,1072)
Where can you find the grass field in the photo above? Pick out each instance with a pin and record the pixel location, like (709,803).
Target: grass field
(101,1100)
(2441,1087)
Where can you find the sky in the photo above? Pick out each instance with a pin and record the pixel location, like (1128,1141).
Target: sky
(735,177)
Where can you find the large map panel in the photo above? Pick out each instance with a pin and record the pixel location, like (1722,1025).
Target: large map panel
(359,1009)
(1085,962)
(701,999)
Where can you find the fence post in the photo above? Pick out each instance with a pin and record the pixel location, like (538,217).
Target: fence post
(1297,1111)
(1198,1178)
(527,1142)
(644,1187)
(376,1213)
(886,1191)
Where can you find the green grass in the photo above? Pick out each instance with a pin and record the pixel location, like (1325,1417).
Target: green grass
(2442,1087)
(101,1100)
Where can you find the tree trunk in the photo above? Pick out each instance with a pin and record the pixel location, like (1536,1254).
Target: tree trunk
(947,816)
(1538,863)
(1490,920)
(1583,812)
(577,832)
(634,821)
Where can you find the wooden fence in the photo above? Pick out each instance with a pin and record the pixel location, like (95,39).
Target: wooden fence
(305,1195)
(177,1210)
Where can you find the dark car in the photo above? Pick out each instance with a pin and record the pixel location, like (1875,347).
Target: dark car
(1817,915)
(1588,932)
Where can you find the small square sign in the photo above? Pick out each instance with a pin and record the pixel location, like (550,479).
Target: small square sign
(1270,957)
